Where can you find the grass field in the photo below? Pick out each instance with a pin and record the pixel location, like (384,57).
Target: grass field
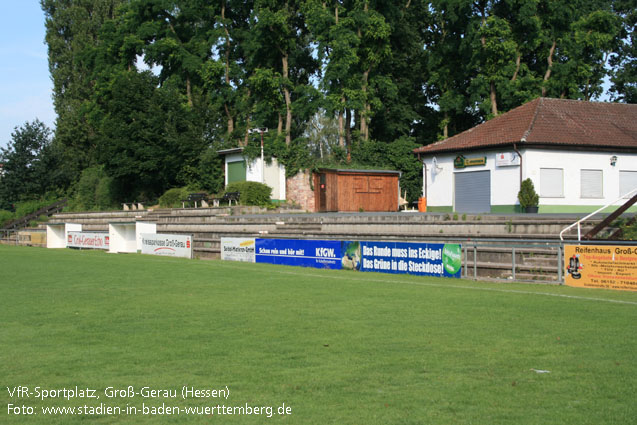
(334,347)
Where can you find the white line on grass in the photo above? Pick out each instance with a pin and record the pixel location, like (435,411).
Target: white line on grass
(439,285)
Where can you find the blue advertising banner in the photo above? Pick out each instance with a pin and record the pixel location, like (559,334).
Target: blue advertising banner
(442,260)
(295,252)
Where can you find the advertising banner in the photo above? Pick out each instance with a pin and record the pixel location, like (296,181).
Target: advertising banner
(295,252)
(507,159)
(167,245)
(238,249)
(595,266)
(87,240)
(441,260)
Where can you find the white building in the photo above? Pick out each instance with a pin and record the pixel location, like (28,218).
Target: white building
(237,168)
(579,155)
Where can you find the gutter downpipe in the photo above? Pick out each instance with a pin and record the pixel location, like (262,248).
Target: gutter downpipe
(515,149)
(424,174)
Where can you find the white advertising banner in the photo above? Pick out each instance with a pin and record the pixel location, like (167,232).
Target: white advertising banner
(87,240)
(507,159)
(238,249)
(167,245)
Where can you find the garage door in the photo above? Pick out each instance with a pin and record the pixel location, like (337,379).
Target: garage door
(473,192)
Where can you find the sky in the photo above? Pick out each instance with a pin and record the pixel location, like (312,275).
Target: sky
(25,83)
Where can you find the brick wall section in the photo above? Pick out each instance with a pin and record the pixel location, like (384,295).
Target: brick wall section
(298,190)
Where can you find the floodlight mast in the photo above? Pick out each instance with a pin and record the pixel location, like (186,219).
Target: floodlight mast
(261,130)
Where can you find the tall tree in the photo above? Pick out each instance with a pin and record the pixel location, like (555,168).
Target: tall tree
(72,30)
(450,73)
(283,47)
(147,135)
(177,36)
(401,107)
(624,63)
(30,164)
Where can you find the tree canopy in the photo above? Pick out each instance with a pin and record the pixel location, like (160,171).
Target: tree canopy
(147,91)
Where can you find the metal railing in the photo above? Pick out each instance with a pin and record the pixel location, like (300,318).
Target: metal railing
(5,236)
(47,211)
(549,248)
(578,222)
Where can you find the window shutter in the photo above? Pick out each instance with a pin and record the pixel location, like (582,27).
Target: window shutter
(592,184)
(627,181)
(551,182)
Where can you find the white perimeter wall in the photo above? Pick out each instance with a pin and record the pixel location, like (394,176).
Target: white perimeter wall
(505,181)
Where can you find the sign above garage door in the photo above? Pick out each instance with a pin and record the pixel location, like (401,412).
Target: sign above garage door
(462,162)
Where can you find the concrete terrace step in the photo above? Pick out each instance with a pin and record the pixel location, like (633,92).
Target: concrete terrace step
(365,226)
(102,215)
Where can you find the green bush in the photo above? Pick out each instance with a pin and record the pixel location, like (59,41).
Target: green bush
(5,217)
(628,228)
(172,197)
(94,191)
(28,207)
(251,193)
(527,195)
(104,193)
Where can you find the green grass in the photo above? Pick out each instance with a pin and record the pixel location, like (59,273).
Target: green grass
(337,347)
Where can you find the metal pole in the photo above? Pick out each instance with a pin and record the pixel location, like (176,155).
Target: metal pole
(475,262)
(262,161)
(466,262)
(559,265)
(513,263)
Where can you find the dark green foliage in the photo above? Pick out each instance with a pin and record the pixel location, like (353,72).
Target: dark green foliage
(72,36)
(94,191)
(5,217)
(527,195)
(28,207)
(628,227)
(251,193)
(31,164)
(624,63)
(396,155)
(172,197)
(25,208)
(147,137)
(332,81)
(629,231)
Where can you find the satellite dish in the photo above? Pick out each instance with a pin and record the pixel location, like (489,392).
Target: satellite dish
(435,169)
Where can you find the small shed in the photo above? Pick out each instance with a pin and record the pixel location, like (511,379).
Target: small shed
(356,190)
(238,169)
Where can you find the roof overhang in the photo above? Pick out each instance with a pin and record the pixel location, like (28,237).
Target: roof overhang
(230,151)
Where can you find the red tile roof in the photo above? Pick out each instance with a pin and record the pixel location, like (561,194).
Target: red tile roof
(554,122)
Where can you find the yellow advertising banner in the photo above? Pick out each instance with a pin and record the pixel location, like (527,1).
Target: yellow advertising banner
(601,266)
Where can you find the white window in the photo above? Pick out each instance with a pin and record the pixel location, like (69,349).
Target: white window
(627,182)
(592,184)
(551,182)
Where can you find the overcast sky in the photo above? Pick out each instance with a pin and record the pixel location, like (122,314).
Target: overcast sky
(25,84)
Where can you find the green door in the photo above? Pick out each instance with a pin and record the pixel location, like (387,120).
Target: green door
(236,171)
